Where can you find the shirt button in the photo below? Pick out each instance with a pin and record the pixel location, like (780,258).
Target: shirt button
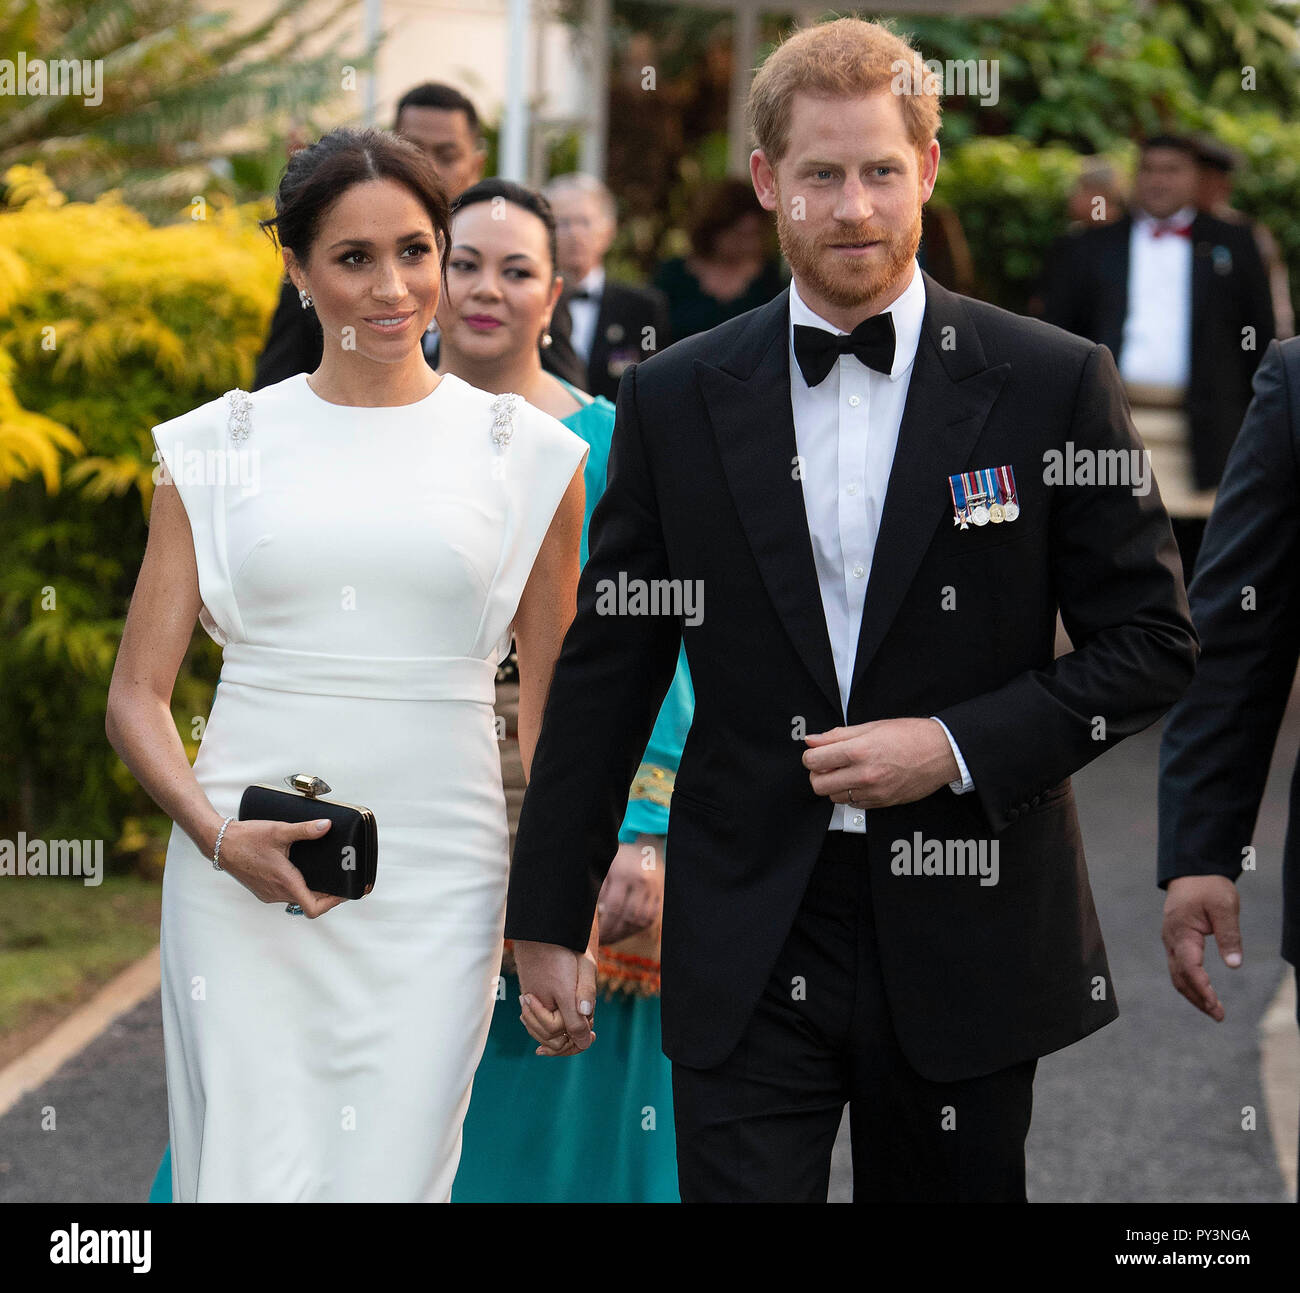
(857,820)
(853,487)
(855,400)
(858,572)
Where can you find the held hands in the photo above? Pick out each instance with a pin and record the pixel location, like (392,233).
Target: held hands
(876,765)
(557,995)
(1197,905)
(256,853)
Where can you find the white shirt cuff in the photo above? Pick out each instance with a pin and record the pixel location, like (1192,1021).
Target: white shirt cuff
(965,785)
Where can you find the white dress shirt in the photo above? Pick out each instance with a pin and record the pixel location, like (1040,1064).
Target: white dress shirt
(583,313)
(846,431)
(1157,338)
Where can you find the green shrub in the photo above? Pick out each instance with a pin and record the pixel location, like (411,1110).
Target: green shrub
(108,325)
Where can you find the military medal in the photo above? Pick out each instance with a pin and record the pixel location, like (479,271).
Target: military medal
(957,486)
(1007,488)
(988,481)
(976,498)
(984,497)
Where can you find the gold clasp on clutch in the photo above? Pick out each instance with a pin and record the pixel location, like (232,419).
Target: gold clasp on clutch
(308,785)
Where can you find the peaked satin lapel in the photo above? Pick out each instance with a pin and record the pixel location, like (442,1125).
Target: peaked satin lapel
(949,396)
(747,395)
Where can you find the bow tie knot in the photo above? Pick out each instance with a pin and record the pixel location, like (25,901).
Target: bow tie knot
(872,342)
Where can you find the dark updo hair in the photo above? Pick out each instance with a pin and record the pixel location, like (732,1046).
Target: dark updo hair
(717,207)
(319,174)
(522,196)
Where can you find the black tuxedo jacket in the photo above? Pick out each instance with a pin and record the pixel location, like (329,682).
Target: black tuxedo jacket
(623,314)
(1219,739)
(1087,293)
(702,486)
(294,344)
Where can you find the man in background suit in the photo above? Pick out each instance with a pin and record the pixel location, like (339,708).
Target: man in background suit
(1182,301)
(614,324)
(1219,166)
(1218,741)
(856,477)
(444,123)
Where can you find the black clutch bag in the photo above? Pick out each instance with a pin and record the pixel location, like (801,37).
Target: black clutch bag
(343,860)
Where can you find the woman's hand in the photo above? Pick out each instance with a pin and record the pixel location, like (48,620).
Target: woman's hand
(633,893)
(568,981)
(256,853)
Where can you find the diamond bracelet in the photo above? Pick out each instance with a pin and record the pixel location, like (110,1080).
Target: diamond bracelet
(216,852)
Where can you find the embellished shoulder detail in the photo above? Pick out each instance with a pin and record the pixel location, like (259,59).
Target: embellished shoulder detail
(241,414)
(503,417)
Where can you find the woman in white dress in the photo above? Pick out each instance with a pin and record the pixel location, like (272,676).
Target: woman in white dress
(360,540)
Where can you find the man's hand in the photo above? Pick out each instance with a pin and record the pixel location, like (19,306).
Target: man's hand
(633,893)
(557,999)
(1197,905)
(892,761)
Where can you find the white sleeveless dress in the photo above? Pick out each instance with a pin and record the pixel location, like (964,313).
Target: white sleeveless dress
(361,568)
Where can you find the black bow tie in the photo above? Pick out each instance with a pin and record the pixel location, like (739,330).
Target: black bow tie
(581,294)
(817,350)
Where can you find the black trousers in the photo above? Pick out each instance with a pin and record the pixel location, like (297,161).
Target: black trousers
(760,1126)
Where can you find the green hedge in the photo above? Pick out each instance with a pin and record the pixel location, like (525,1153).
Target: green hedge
(111,326)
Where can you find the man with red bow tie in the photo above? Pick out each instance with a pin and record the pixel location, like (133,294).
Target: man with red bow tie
(1182,300)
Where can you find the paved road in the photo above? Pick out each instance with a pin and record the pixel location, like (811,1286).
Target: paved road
(110,1107)
(1148,1109)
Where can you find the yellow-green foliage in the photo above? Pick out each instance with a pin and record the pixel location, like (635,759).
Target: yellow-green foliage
(115,325)
(108,325)
(29,443)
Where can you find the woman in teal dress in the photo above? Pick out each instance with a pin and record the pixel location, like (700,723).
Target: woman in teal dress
(596,1127)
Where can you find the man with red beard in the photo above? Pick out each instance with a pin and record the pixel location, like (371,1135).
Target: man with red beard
(857,477)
